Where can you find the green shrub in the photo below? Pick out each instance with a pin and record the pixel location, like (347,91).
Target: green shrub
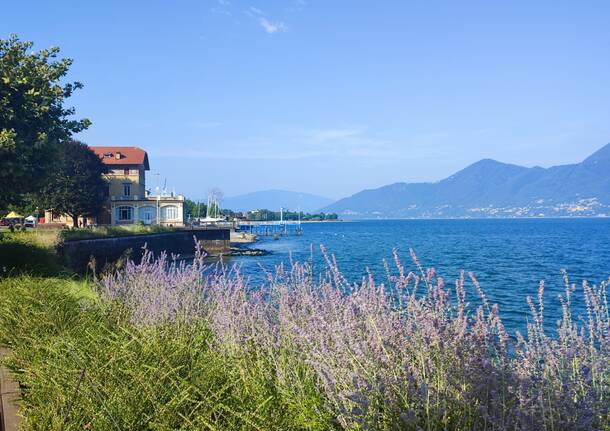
(29,253)
(111,231)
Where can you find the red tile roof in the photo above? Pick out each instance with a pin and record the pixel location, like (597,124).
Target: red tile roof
(122,156)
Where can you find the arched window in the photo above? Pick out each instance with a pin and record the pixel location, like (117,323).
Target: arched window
(169,212)
(147,214)
(125,213)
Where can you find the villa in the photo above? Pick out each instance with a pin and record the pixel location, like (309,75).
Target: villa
(128,201)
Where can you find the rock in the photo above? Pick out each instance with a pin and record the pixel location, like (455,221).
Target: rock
(238,251)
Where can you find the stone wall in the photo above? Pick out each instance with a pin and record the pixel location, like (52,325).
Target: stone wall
(78,253)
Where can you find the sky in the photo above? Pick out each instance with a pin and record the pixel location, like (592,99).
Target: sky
(331,96)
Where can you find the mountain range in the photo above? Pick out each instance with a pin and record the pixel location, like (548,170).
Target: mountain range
(489,188)
(274,199)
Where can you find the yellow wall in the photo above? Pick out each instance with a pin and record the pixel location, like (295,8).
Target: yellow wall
(116,177)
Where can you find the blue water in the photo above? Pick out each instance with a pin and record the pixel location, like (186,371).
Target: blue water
(509,257)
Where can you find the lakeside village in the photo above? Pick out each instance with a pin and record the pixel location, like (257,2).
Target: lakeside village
(92,338)
(128,204)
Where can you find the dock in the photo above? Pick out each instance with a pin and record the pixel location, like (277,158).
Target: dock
(270,228)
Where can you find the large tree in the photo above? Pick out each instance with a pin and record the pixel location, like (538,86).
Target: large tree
(76,186)
(33,119)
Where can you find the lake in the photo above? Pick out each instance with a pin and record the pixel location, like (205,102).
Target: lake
(508,256)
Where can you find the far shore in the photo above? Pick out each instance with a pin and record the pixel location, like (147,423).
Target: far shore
(474,218)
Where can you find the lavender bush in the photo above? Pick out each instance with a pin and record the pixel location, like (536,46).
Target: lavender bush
(410,353)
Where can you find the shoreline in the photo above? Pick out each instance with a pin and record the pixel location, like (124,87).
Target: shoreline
(603,217)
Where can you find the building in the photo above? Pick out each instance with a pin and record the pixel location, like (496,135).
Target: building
(129,202)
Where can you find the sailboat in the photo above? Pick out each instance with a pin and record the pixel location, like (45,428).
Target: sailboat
(277,235)
(212,214)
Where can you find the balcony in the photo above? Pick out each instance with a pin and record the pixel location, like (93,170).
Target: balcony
(150,197)
(125,198)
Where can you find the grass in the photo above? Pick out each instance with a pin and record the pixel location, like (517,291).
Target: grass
(85,366)
(160,346)
(82,363)
(30,252)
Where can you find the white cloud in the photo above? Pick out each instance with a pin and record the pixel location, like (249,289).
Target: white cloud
(271,27)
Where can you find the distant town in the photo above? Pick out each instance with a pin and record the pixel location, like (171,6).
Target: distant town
(590,207)
(489,188)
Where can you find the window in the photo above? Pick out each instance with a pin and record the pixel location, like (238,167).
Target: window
(125,213)
(147,214)
(126,171)
(169,212)
(126,189)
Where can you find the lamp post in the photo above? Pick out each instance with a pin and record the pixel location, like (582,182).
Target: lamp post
(159,210)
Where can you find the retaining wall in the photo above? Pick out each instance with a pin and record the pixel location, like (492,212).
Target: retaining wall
(78,253)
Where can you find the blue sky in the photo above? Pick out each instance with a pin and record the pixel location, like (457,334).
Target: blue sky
(331,97)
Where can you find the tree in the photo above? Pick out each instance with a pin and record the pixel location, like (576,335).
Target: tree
(194,209)
(33,120)
(76,186)
(29,205)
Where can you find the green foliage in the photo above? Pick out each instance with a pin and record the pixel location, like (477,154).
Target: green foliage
(29,253)
(33,119)
(111,231)
(194,209)
(76,186)
(28,205)
(265,214)
(83,365)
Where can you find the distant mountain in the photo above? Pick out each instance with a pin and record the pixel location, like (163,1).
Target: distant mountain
(489,188)
(274,199)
